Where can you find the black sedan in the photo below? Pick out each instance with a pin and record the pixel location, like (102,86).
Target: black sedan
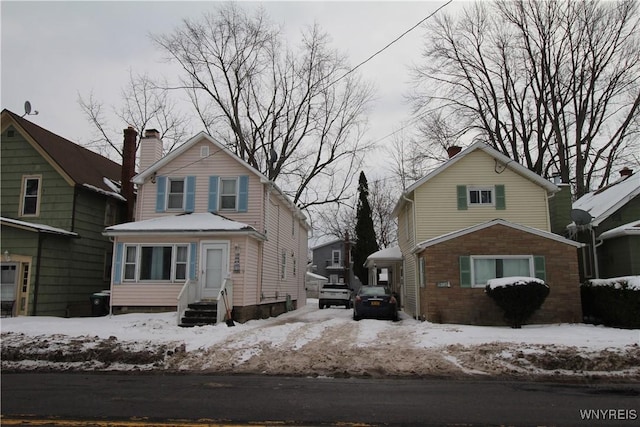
(376,302)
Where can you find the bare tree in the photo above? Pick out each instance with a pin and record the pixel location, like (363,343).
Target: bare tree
(336,219)
(145,105)
(295,115)
(553,85)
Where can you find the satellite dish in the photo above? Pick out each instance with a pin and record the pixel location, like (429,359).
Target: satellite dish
(581,217)
(27,110)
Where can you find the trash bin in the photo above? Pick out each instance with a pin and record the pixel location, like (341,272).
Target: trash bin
(100,303)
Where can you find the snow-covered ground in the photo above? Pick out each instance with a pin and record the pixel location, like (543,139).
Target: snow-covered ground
(313,342)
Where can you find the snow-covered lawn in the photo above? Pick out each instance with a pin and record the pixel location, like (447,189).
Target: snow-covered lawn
(315,342)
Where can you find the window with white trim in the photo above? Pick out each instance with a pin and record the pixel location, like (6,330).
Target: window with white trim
(336,256)
(156,262)
(175,193)
(283,266)
(228,193)
(480,196)
(484,268)
(31,189)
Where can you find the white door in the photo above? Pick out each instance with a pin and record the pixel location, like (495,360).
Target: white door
(215,269)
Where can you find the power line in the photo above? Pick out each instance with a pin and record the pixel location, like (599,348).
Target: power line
(388,45)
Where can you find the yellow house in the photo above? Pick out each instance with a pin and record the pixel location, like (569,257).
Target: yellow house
(478,185)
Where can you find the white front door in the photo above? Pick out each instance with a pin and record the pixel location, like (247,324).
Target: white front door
(215,258)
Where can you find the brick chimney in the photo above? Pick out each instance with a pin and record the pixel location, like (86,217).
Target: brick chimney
(128,169)
(453,150)
(150,148)
(625,172)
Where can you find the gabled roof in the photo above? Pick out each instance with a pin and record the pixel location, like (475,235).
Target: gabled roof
(498,156)
(77,165)
(459,233)
(330,242)
(190,223)
(154,168)
(602,203)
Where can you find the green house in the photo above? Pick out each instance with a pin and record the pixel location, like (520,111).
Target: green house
(57,197)
(612,235)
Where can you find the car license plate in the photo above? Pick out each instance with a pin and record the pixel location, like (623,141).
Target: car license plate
(375,302)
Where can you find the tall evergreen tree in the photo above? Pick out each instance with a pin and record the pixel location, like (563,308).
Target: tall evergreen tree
(366,243)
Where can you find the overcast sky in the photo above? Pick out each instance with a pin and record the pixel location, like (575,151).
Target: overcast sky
(54,51)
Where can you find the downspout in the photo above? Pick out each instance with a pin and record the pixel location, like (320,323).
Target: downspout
(415,272)
(73,208)
(596,268)
(36,285)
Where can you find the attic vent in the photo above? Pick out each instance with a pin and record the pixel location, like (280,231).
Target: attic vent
(10,133)
(204,151)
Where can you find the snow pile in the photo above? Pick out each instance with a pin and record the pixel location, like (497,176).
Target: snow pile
(328,343)
(512,281)
(626,282)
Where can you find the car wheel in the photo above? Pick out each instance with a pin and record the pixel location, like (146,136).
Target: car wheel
(355,316)
(320,305)
(347,305)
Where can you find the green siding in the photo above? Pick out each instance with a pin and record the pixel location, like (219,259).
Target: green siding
(71,268)
(620,257)
(628,213)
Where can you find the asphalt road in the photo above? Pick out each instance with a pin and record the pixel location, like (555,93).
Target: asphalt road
(129,399)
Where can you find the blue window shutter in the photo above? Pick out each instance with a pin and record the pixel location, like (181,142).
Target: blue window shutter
(462,197)
(213,194)
(243,193)
(465,272)
(539,267)
(161,198)
(191,194)
(501,203)
(117,265)
(192,261)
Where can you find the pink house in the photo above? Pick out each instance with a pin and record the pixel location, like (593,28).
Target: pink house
(207,226)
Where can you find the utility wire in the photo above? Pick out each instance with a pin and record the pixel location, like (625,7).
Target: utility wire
(388,45)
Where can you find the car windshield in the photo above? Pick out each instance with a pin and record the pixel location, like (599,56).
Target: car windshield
(373,291)
(335,286)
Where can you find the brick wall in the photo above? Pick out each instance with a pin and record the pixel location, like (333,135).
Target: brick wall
(471,305)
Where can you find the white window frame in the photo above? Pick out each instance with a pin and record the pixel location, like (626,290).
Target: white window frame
(138,262)
(222,194)
(23,194)
(333,278)
(480,190)
(530,258)
(283,265)
(333,258)
(169,193)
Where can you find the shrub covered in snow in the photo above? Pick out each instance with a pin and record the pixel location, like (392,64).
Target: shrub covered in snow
(613,302)
(518,297)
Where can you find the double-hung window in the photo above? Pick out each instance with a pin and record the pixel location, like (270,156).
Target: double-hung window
(228,193)
(175,196)
(481,196)
(335,258)
(485,268)
(156,262)
(30,202)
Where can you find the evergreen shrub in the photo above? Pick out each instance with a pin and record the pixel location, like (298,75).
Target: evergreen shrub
(614,305)
(519,302)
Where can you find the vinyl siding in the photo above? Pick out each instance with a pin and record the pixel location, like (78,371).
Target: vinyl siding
(437,204)
(191,164)
(71,269)
(406,243)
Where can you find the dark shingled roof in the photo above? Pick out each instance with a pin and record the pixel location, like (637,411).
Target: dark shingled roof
(82,165)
